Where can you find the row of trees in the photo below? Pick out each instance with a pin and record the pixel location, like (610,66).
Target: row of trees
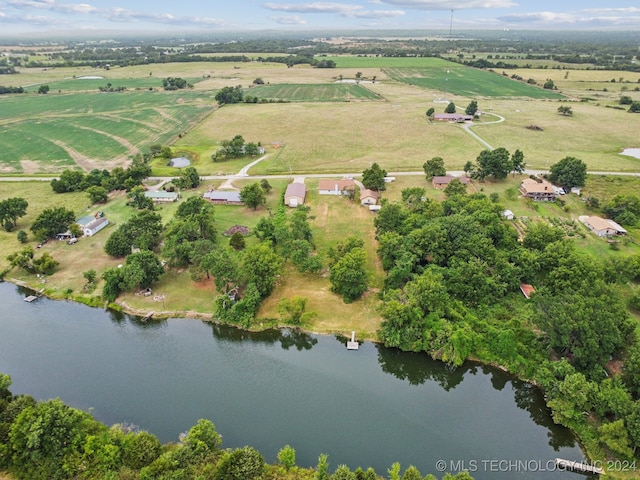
(235,148)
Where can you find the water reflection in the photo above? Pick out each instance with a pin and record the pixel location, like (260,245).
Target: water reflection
(286,337)
(417,368)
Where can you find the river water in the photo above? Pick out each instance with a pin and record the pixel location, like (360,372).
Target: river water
(369,407)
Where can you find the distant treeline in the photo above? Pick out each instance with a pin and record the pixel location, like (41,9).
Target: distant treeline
(597,50)
(5,90)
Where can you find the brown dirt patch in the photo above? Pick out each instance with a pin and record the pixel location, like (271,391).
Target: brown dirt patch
(122,141)
(614,367)
(88,164)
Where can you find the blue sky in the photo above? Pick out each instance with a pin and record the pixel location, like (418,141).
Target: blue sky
(169,16)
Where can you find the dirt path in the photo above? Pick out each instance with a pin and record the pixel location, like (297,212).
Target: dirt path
(133,150)
(88,164)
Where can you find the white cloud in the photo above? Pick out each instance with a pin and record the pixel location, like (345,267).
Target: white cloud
(574,19)
(345,10)
(289,20)
(451,4)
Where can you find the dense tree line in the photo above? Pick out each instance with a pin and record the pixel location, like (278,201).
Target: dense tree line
(6,90)
(452,289)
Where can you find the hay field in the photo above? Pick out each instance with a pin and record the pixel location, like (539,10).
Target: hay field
(594,134)
(338,137)
(342,92)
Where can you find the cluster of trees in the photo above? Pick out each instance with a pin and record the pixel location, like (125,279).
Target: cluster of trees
(11,210)
(228,95)
(175,83)
(235,148)
(50,440)
(624,209)
(496,164)
(109,88)
(143,230)
(6,90)
(568,172)
(98,183)
(347,272)
(452,289)
(27,260)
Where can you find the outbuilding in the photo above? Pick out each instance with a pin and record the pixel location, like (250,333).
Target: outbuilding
(295,194)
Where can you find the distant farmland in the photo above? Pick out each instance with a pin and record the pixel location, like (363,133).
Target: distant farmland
(45,133)
(88,83)
(313,93)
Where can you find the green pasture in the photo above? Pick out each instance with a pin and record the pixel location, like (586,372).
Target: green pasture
(352,61)
(469,82)
(56,131)
(314,93)
(593,133)
(80,84)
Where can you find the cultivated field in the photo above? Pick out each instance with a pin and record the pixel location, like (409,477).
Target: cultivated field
(382,121)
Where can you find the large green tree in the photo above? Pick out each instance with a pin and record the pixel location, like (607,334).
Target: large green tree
(10,210)
(569,172)
(434,167)
(348,275)
(373,178)
(52,221)
(262,267)
(253,195)
(493,163)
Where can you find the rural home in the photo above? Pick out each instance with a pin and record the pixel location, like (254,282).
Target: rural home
(452,117)
(295,194)
(162,196)
(441,182)
(222,197)
(336,187)
(538,190)
(91,225)
(602,227)
(369,197)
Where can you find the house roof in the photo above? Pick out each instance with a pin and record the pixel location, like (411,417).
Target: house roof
(87,219)
(532,186)
(339,185)
(445,179)
(527,289)
(96,223)
(452,116)
(161,194)
(369,193)
(598,223)
(296,189)
(223,196)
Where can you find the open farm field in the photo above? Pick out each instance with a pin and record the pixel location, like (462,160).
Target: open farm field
(338,137)
(342,92)
(46,133)
(89,84)
(594,134)
(469,82)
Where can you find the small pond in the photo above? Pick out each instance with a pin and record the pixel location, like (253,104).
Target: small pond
(179,162)
(631,152)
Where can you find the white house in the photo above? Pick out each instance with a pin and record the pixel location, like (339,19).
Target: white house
(91,225)
(602,227)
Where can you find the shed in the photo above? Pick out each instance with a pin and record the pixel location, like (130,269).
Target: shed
(527,290)
(295,194)
(94,226)
(508,214)
(452,117)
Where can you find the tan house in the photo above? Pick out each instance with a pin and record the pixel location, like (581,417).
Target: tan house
(369,197)
(441,181)
(295,194)
(602,227)
(538,190)
(336,187)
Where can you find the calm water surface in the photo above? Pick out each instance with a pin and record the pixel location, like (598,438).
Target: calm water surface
(365,408)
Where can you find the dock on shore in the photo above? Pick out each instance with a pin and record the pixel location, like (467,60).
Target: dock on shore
(147,316)
(578,467)
(353,345)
